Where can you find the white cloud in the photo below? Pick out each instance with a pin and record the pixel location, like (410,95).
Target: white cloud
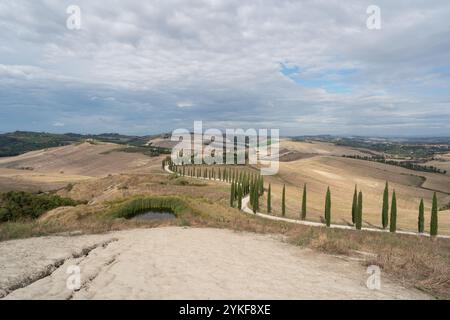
(134,58)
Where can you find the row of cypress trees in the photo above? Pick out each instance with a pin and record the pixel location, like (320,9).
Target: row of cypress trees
(357,210)
(243,183)
(392,219)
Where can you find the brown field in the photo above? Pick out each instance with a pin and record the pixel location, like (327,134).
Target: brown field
(321,148)
(56,167)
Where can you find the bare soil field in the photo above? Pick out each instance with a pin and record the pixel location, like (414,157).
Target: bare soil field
(94,160)
(56,167)
(214,264)
(320,148)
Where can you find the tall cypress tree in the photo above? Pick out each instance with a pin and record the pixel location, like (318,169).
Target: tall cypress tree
(420,223)
(385,209)
(283,201)
(240,196)
(303,215)
(262,186)
(255,198)
(359,211)
(434,217)
(232,195)
(393,222)
(328,207)
(355,206)
(269,200)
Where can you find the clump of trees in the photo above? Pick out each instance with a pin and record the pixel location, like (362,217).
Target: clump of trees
(21,206)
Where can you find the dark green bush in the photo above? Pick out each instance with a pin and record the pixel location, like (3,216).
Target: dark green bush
(15,206)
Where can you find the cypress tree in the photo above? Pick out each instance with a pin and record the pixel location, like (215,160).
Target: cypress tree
(262,185)
(232,195)
(420,223)
(269,200)
(303,216)
(355,206)
(328,207)
(434,217)
(385,210)
(393,222)
(283,201)
(359,211)
(240,196)
(255,198)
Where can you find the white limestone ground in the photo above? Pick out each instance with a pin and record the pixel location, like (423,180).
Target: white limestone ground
(182,263)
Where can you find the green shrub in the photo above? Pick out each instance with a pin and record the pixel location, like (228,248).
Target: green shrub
(17,206)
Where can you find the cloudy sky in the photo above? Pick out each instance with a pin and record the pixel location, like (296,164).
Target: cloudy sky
(305,67)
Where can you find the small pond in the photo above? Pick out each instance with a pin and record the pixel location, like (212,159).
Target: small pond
(153,215)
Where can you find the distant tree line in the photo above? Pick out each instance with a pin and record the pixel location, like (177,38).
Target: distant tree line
(404,164)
